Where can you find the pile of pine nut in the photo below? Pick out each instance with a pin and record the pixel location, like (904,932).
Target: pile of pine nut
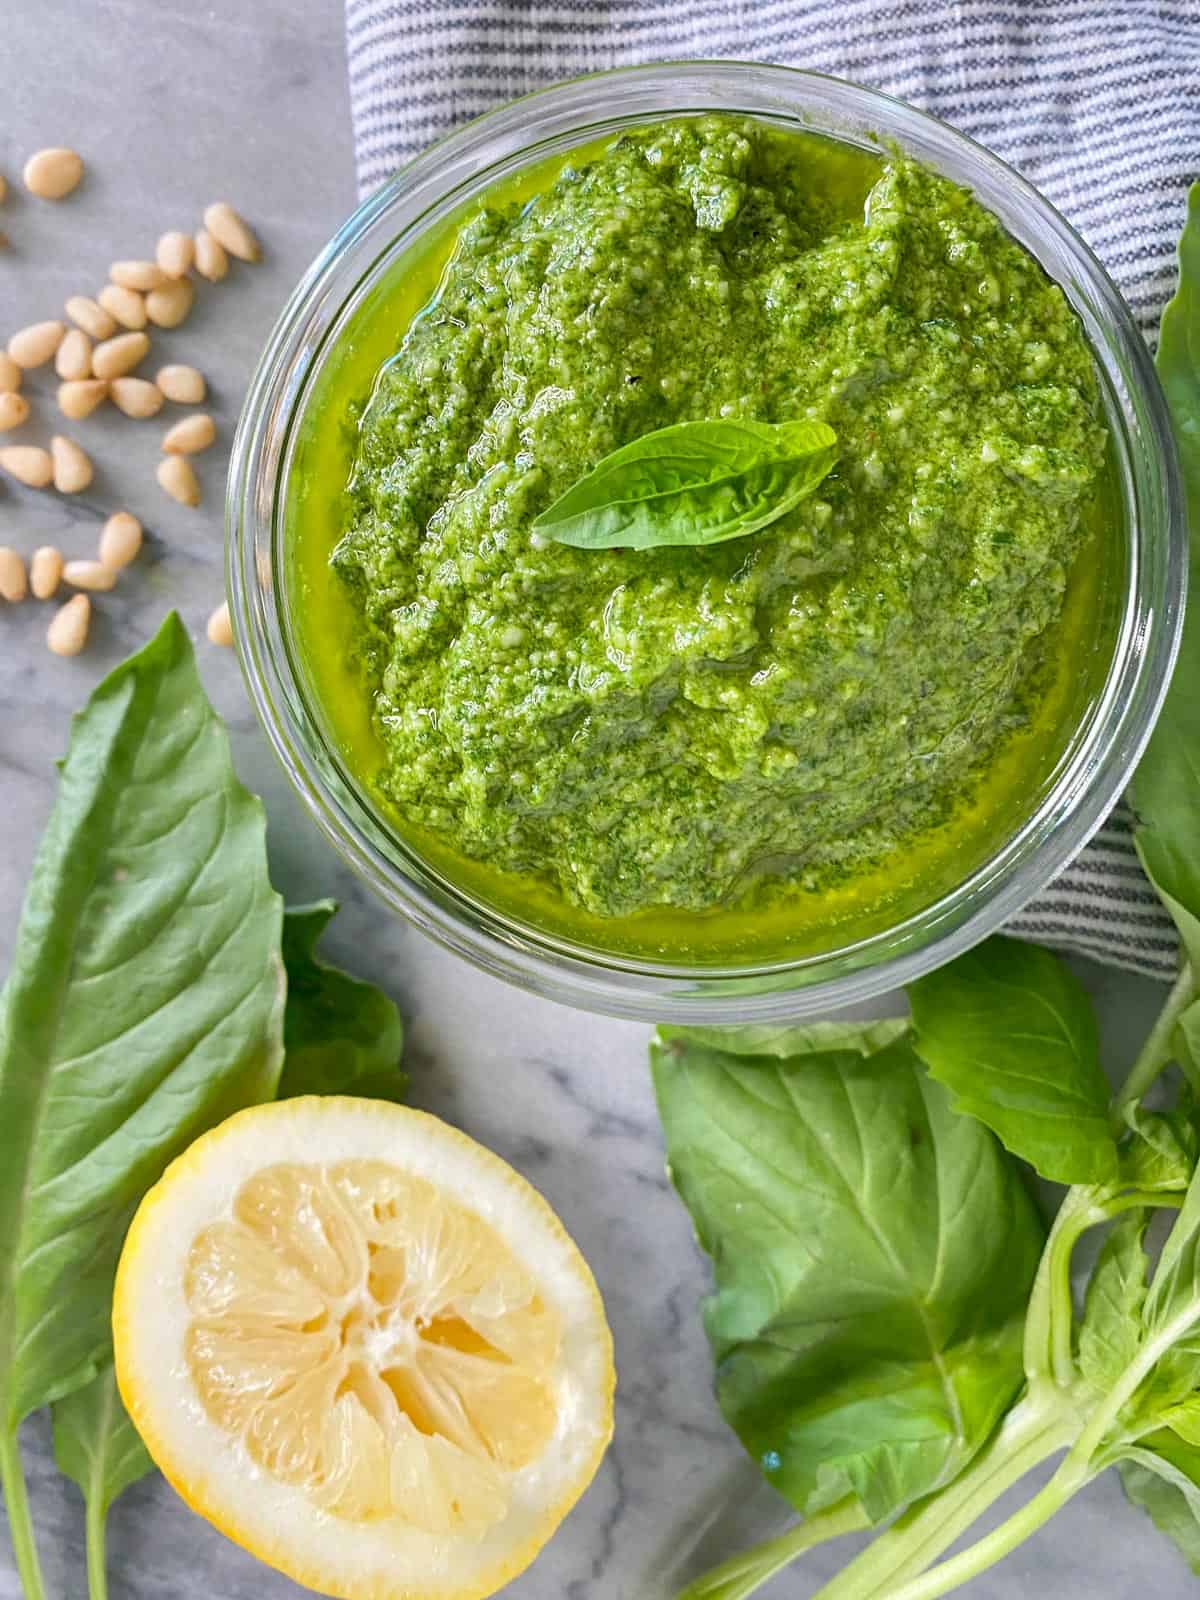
(95,360)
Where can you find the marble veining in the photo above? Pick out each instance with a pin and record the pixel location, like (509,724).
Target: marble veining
(248,102)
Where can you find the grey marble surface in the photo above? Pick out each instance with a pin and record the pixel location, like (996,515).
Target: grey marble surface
(175,104)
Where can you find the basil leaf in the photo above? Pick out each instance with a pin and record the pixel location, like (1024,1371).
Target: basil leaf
(873,1254)
(144,1004)
(1111,1332)
(1155,1328)
(341,1035)
(1183,1419)
(1163,1152)
(1011,1033)
(695,483)
(1173,1303)
(97,1446)
(1162,1475)
(1166,786)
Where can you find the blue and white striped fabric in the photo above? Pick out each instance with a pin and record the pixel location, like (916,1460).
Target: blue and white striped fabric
(1097,102)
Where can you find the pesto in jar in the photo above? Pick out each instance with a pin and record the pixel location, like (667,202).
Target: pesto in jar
(709,728)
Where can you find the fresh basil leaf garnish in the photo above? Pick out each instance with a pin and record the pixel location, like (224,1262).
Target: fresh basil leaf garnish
(695,483)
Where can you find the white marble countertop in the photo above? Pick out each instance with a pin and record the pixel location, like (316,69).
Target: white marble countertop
(173,105)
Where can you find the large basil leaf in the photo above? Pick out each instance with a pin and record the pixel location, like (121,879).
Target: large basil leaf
(341,1035)
(97,1446)
(873,1254)
(1011,1034)
(144,1003)
(694,483)
(1166,788)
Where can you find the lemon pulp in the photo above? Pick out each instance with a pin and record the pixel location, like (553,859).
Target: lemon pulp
(372,1341)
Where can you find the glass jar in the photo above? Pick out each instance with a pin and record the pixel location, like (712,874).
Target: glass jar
(1101,755)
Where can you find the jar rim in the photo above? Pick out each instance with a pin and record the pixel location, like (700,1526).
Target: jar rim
(1082,792)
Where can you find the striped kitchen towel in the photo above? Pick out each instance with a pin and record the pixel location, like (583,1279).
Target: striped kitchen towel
(1097,102)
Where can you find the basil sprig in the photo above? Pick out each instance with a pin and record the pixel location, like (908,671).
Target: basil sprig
(695,483)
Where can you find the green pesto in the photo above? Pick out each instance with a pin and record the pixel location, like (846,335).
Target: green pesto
(678,726)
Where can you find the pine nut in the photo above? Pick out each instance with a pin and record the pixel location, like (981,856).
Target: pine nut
(52,174)
(176,475)
(33,346)
(3,186)
(125,304)
(13,582)
(73,469)
(211,261)
(74,358)
(14,410)
(175,253)
(140,275)
(92,318)
(45,571)
(135,397)
(11,376)
(115,357)
(168,306)
(80,398)
(67,633)
(189,437)
(29,464)
(120,540)
(92,575)
(231,231)
(220,629)
(182,384)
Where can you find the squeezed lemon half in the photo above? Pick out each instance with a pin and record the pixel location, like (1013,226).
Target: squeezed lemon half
(364,1348)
